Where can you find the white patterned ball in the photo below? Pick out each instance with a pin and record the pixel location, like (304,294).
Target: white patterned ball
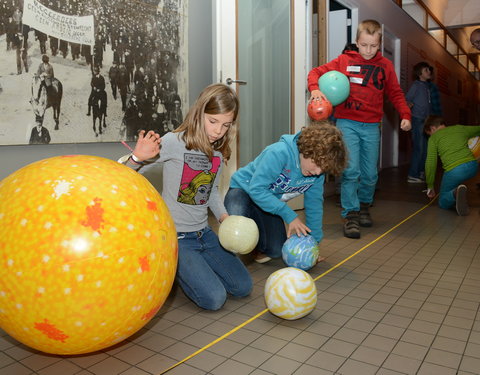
(290,293)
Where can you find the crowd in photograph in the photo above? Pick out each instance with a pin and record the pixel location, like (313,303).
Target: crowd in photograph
(143,38)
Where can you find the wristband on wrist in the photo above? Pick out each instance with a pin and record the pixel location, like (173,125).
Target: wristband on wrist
(134,159)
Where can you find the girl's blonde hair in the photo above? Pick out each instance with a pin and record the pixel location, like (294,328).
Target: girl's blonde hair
(370,27)
(214,100)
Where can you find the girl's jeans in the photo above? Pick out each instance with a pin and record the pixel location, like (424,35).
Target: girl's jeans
(360,177)
(452,179)
(272,233)
(207,273)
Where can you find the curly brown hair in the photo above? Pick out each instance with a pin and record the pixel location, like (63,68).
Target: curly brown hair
(323,142)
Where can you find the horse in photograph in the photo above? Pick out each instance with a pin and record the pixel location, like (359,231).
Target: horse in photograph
(99,111)
(47,98)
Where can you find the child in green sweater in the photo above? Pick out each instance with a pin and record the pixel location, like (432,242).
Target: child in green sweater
(450,143)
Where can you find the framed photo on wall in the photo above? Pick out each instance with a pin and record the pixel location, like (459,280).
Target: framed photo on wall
(79,71)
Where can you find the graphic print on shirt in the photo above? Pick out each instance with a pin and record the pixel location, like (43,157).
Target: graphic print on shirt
(282,183)
(364,75)
(197,180)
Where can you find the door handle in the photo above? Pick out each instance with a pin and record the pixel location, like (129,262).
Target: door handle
(229,81)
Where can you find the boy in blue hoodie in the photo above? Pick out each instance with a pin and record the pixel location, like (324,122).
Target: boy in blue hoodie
(295,165)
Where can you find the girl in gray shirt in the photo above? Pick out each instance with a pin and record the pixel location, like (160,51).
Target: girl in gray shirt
(192,158)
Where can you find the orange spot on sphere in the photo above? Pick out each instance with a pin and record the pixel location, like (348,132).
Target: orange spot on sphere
(152,206)
(74,233)
(51,331)
(144,265)
(94,215)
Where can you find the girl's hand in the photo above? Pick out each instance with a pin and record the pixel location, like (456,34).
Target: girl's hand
(317,95)
(223,217)
(147,146)
(430,193)
(297,227)
(405,125)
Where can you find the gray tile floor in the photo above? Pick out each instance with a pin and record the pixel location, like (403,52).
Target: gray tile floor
(405,302)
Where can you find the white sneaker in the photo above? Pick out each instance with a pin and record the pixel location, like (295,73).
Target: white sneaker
(262,258)
(461,203)
(415,180)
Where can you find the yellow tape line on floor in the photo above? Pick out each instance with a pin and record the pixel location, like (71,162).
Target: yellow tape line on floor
(318,277)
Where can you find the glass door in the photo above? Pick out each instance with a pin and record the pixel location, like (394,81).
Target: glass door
(253,53)
(263,45)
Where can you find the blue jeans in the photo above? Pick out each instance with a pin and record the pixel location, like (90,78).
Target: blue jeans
(272,233)
(207,273)
(419,152)
(452,179)
(359,179)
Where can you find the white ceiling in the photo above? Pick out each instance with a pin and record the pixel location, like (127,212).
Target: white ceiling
(455,13)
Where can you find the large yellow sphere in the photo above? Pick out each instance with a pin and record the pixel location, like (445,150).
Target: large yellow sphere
(88,254)
(290,293)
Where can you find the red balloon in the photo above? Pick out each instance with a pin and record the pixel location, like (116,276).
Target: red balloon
(319,109)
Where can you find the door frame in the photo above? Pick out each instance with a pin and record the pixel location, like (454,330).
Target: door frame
(225,59)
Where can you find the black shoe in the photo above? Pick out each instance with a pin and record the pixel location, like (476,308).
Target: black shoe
(88,113)
(351,225)
(365,219)
(461,203)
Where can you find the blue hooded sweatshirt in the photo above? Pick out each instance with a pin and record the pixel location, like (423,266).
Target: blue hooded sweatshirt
(275,177)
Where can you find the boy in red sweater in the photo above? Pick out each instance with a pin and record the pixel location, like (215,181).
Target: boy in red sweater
(371,77)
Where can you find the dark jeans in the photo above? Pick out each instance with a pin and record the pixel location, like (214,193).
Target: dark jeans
(207,273)
(452,179)
(419,152)
(272,233)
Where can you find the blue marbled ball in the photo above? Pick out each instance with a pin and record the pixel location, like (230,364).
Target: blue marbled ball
(300,252)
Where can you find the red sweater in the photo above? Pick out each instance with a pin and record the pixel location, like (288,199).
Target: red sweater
(369,81)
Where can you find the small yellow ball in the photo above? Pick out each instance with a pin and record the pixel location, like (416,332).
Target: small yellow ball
(238,234)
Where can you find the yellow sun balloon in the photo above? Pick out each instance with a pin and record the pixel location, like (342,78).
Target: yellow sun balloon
(88,254)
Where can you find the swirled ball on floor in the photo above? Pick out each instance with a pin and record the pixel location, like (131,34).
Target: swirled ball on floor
(88,254)
(238,234)
(300,252)
(290,293)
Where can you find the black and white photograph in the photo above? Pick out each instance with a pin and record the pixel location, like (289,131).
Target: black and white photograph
(80,71)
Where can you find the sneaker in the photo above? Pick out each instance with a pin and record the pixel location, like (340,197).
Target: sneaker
(415,180)
(461,203)
(364,218)
(262,258)
(351,225)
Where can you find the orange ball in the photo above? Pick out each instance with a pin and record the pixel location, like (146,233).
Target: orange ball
(319,110)
(88,254)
